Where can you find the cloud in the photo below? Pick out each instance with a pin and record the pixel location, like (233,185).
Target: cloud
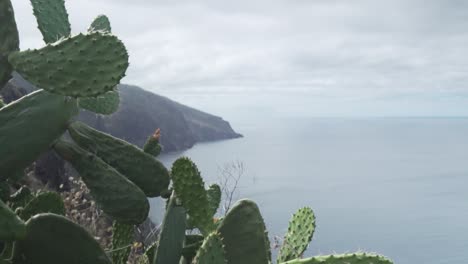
(359,49)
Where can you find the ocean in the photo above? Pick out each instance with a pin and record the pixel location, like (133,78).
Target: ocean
(396,186)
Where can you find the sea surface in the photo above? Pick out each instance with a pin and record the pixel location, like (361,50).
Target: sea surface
(397,186)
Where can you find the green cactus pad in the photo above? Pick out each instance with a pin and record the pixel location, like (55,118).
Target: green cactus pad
(122,239)
(244,235)
(104,104)
(21,198)
(190,189)
(54,239)
(9,40)
(151,250)
(211,251)
(4,191)
(101,23)
(45,202)
(214,197)
(171,238)
(139,167)
(52,18)
(116,195)
(29,126)
(152,145)
(11,226)
(79,66)
(300,231)
(356,258)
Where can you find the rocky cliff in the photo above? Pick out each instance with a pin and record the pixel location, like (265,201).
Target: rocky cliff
(141,112)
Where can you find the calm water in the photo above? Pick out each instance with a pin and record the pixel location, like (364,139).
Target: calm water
(394,186)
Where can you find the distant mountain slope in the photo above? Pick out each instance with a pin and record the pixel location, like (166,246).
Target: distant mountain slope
(141,112)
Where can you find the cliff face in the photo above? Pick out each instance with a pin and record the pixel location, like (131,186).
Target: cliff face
(141,112)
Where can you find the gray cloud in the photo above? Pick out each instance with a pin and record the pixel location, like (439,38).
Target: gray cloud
(360,48)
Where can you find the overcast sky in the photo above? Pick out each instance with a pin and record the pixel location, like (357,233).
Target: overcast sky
(324,57)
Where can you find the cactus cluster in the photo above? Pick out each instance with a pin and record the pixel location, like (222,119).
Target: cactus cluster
(83,71)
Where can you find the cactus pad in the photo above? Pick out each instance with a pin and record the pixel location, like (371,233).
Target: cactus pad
(189,188)
(29,126)
(171,238)
(214,197)
(54,239)
(116,195)
(101,23)
(211,251)
(79,66)
(122,239)
(356,258)
(104,104)
(139,167)
(46,202)
(244,235)
(52,18)
(21,198)
(9,40)
(300,231)
(152,145)
(11,226)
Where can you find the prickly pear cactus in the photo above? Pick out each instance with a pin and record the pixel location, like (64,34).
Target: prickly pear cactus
(9,40)
(30,126)
(171,238)
(45,202)
(101,23)
(52,19)
(54,239)
(122,239)
(151,250)
(21,198)
(4,191)
(139,167)
(80,66)
(355,258)
(211,251)
(152,146)
(190,189)
(11,226)
(244,235)
(214,197)
(116,195)
(300,231)
(104,104)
